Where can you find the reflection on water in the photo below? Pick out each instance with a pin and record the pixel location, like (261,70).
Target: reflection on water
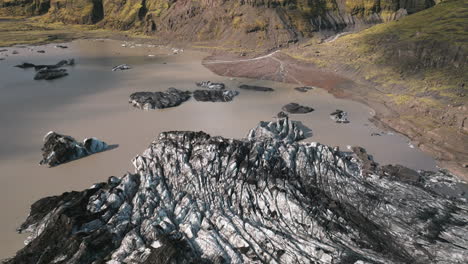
(93,101)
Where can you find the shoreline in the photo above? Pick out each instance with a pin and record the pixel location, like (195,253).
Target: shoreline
(384,116)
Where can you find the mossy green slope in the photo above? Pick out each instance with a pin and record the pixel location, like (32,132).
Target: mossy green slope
(428,51)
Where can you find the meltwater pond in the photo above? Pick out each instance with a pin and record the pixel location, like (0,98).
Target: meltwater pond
(92,101)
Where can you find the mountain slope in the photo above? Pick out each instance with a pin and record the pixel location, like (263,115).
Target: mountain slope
(416,67)
(411,71)
(246,23)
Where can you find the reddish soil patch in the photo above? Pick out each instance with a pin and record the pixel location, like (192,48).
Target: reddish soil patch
(278,67)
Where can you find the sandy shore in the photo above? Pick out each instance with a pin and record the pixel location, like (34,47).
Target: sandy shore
(93,101)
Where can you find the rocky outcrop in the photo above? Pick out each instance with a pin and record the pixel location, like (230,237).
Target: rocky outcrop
(59,148)
(295,108)
(214,95)
(194,198)
(152,100)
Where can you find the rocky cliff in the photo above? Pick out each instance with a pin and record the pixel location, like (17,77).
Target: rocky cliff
(267,199)
(243,24)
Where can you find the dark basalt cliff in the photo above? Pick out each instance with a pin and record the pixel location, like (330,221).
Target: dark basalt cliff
(245,23)
(267,199)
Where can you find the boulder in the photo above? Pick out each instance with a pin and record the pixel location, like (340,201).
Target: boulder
(282,129)
(256,88)
(25,65)
(121,67)
(59,148)
(295,108)
(152,100)
(366,162)
(94,145)
(211,85)
(62,63)
(401,173)
(50,74)
(282,114)
(214,95)
(177,51)
(339,116)
(303,89)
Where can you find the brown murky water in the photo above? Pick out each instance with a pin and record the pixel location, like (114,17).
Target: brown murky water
(93,101)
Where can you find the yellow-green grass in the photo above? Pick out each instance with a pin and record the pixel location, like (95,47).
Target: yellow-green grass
(445,22)
(34,31)
(371,55)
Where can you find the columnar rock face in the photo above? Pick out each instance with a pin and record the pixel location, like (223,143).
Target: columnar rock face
(59,148)
(199,199)
(276,22)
